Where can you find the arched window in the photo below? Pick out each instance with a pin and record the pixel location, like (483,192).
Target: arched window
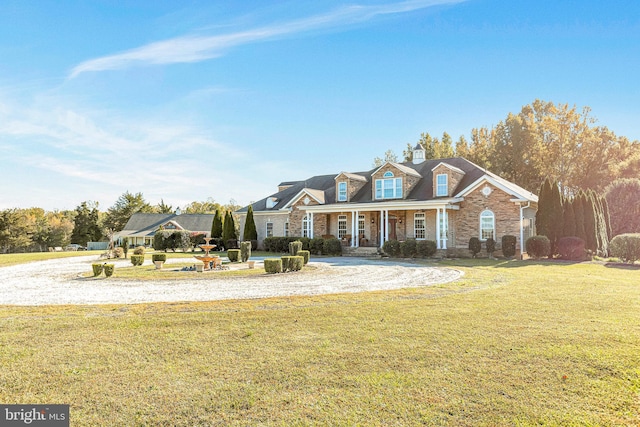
(388,174)
(306,226)
(487,225)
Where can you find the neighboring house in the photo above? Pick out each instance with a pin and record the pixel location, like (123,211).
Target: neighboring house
(141,227)
(445,200)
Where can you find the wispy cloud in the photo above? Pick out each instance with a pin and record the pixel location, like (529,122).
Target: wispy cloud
(195,48)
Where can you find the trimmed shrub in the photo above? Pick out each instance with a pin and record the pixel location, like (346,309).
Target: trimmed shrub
(273,265)
(305,255)
(233,254)
(278,244)
(254,245)
(159,257)
(490,244)
(475,246)
(296,263)
(391,248)
(571,248)
(538,246)
(245,251)
(508,245)
(316,245)
(626,247)
(108,269)
(332,246)
(286,260)
(125,246)
(137,259)
(97,269)
(294,247)
(426,248)
(139,250)
(408,248)
(306,242)
(118,252)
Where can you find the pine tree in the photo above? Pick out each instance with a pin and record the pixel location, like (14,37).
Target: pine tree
(590,222)
(250,232)
(578,210)
(229,228)
(543,220)
(216,227)
(556,217)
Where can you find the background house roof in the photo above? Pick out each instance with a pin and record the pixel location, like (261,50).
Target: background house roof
(148,223)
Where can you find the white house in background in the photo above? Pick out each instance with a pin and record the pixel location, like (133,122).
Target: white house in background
(141,227)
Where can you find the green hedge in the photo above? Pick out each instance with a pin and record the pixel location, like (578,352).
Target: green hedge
(108,269)
(508,245)
(97,269)
(426,248)
(159,257)
(332,246)
(233,254)
(475,246)
(305,255)
(538,246)
(626,247)
(137,259)
(409,248)
(273,265)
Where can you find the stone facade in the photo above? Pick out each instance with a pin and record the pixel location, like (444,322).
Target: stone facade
(453,178)
(353,185)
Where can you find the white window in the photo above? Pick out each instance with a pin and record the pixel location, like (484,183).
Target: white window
(306,226)
(487,225)
(342,191)
(442,189)
(269,229)
(360,225)
(286,229)
(419,226)
(342,226)
(390,188)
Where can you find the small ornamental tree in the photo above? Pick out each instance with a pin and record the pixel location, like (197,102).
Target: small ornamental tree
(490,244)
(245,251)
(508,245)
(250,232)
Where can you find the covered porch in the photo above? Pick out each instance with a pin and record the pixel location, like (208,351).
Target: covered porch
(371,226)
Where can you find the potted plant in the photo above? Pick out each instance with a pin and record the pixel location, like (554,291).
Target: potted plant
(159,260)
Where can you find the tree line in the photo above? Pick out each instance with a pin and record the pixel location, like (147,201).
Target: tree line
(35,230)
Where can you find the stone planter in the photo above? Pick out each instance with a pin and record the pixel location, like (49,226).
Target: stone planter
(158,264)
(199,268)
(251,264)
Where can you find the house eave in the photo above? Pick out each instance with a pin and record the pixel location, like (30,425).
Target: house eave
(448,203)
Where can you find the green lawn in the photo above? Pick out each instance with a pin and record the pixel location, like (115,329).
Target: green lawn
(13,259)
(512,343)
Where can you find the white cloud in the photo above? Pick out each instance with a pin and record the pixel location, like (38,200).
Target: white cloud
(194,48)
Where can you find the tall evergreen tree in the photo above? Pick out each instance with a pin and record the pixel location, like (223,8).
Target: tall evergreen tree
(543,215)
(250,232)
(216,227)
(578,210)
(556,217)
(590,222)
(607,219)
(569,219)
(86,226)
(229,228)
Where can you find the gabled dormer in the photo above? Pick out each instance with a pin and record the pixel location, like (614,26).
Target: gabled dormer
(348,184)
(446,179)
(393,181)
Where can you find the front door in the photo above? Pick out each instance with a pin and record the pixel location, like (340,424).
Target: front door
(392,229)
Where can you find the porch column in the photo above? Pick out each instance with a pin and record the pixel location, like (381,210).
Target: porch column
(438,246)
(381,228)
(445,227)
(386,225)
(355,237)
(311,224)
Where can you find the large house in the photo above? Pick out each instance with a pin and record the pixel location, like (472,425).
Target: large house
(445,200)
(141,227)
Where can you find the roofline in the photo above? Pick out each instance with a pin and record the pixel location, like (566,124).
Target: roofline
(488,178)
(449,203)
(453,168)
(300,193)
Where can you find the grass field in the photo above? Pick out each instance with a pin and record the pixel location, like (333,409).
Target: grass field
(512,343)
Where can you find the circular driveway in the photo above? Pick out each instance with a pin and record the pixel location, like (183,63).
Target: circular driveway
(57,282)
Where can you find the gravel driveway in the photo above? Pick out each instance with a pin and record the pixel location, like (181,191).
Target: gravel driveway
(58,282)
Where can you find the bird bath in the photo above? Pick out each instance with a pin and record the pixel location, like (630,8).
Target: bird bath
(206,258)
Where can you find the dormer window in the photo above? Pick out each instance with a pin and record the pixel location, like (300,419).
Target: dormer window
(342,191)
(388,187)
(271,202)
(442,187)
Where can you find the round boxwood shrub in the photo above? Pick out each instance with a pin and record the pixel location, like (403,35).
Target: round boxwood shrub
(332,246)
(97,269)
(137,259)
(233,254)
(626,247)
(139,250)
(392,248)
(305,255)
(475,246)
(273,265)
(572,248)
(538,246)
(108,269)
(408,248)
(508,245)
(159,257)
(426,248)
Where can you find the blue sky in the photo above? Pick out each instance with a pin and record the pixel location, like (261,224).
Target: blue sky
(192,100)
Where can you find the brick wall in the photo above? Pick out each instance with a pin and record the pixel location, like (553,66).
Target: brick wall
(453,179)
(353,186)
(408,181)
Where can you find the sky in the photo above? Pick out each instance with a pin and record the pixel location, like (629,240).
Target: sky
(196,100)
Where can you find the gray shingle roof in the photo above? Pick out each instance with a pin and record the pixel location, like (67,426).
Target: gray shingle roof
(148,223)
